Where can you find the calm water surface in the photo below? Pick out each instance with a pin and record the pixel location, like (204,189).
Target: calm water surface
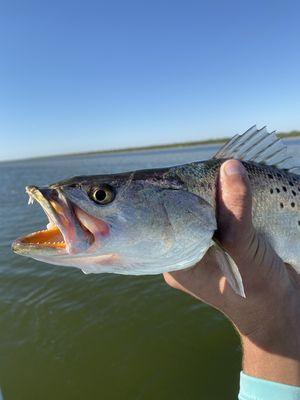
(65,335)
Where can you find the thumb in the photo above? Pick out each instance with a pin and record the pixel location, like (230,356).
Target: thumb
(235,229)
(256,259)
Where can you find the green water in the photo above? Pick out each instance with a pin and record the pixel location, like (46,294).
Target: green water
(66,335)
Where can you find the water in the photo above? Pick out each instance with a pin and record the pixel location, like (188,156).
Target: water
(65,335)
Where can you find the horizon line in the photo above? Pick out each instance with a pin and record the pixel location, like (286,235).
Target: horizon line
(282,135)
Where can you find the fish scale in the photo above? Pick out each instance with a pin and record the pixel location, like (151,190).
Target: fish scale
(276,210)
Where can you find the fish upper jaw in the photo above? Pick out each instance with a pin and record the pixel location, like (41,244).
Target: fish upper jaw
(69,231)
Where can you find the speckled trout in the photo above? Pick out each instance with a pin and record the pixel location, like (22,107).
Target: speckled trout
(159,220)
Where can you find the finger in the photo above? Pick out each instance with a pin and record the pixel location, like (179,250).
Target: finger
(234,206)
(171,281)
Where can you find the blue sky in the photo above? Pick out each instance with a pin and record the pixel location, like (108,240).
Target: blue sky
(79,76)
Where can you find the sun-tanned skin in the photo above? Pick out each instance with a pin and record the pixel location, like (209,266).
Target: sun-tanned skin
(268,319)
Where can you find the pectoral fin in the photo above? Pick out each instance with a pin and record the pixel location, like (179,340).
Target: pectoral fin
(229,268)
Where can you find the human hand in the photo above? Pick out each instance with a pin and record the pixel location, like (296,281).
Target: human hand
(268,319)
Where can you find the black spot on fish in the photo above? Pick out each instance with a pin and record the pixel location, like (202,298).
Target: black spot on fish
(284,188)
(277,190)
(294,193)
(291,183)
(293,204)
(281,205)
(270,176)
(271,191)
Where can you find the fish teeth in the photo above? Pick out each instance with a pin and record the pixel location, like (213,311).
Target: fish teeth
(31,199)
(47,243)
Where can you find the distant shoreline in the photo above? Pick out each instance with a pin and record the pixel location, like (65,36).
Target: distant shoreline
(293,134)
(282,135)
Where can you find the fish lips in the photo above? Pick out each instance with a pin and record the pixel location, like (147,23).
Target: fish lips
(61,214)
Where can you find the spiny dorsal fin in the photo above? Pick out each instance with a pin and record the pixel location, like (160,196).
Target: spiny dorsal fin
(260,146)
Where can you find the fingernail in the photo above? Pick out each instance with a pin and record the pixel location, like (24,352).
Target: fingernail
(234,168)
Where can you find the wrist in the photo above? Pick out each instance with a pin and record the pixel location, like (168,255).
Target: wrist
(272,351)
(282,366)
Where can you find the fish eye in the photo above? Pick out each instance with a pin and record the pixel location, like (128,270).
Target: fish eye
(103,194)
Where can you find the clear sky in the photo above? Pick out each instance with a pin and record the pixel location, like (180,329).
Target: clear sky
(88,75)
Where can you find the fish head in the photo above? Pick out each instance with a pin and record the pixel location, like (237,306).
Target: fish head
(129,223)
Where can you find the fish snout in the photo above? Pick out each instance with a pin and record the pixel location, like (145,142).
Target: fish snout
(61,215)
(40,193)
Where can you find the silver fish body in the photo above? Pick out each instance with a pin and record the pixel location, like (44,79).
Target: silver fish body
(153,221)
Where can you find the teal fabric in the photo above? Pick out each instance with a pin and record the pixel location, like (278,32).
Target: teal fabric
(259,389)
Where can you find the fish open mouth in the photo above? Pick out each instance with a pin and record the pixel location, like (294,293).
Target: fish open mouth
(45,238)
(66,232)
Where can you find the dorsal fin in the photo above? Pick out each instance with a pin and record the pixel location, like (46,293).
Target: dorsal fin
(260,146)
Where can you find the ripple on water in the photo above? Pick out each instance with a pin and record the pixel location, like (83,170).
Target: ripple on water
(65,334)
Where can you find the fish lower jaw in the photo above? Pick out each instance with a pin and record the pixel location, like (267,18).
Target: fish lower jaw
(51,240)
(42,239)
(56,240)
